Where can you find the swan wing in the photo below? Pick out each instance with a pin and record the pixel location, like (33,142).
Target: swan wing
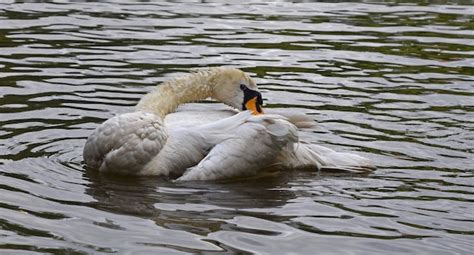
(252,146)
(187,145)
(124,143)
(184,148)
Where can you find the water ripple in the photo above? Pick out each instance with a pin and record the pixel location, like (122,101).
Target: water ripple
(389,81)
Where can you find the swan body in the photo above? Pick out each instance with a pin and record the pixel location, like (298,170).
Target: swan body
(151,141)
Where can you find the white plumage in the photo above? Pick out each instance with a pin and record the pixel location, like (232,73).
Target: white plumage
(125,143)
(245,148)
(208,146)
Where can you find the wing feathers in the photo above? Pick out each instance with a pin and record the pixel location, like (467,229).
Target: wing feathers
(126,142)
(257,143)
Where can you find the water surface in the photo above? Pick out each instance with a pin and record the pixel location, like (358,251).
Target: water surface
(392,82)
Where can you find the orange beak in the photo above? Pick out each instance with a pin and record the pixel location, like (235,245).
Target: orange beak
(254,106)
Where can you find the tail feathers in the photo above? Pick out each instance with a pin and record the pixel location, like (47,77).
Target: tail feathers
(313,156)
(343,161)
(300,120)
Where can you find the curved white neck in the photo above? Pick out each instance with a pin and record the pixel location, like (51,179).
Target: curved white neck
(168,95)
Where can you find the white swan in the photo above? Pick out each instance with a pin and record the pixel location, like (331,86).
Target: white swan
(140,143)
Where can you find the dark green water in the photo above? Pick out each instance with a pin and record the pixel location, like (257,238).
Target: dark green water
(390,81)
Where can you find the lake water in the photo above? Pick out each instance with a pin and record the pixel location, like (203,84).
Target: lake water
(392,82)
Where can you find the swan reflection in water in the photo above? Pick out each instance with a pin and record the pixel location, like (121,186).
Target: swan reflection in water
(159,199)
(188,204)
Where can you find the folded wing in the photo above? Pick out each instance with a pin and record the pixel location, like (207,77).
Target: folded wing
(255,144)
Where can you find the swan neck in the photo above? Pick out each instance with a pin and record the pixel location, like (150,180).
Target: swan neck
(169,95)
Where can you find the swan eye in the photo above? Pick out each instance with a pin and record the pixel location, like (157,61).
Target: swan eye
(243,87)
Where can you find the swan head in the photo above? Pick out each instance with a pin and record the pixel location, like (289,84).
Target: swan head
(253,100)
(236,89)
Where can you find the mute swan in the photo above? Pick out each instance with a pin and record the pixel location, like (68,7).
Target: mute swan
(141,142)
